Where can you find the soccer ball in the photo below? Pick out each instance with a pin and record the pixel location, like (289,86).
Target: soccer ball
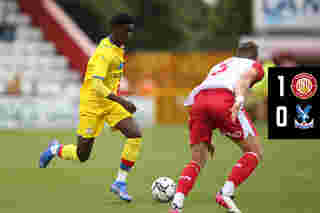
(163,189)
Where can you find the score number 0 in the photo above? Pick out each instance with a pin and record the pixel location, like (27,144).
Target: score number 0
(281,110)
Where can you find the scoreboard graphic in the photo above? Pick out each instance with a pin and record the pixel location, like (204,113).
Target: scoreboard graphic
(294,103)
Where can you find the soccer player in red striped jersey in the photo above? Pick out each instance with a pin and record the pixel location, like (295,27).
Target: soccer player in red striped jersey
(218,103)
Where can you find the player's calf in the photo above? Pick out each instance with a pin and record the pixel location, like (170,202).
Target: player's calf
(186,182)
(252,154)
(84,148)
(189,175)
(240,172)
(129,156)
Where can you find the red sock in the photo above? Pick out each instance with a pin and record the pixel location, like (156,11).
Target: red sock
(188,177)
(60,151)
(243,169)
(126,165)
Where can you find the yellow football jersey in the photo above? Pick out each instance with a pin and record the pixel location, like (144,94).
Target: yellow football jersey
(107,64)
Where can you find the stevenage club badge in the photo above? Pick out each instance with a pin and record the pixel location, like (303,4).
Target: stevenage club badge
(304,86)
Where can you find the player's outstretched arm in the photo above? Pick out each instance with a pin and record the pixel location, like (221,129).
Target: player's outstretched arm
(126,104)
(246,80)
(103,91)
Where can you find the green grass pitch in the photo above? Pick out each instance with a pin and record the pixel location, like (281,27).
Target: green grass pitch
(287,181)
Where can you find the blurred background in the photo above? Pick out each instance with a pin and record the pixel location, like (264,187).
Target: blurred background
(45,45)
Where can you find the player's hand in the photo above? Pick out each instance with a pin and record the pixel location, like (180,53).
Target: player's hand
(126,104)
(129,106)
(237,106)
(234,111)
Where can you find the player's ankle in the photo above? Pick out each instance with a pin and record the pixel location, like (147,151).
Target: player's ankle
(122,176)
(59,152)
(55,149)
(178,199)
(228,188)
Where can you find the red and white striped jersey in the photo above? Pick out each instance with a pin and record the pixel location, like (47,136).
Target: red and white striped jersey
(226,75)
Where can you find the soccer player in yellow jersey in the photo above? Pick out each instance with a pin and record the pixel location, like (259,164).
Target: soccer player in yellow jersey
(99,104)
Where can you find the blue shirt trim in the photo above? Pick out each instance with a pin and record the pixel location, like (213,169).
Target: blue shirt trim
(98,77)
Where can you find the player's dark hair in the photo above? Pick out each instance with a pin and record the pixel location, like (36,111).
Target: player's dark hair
(122,18)
(248,50)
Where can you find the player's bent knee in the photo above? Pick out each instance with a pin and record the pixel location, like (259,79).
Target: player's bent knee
(259,152)
(134,131)
(129,128)
(260,155)
(83,155)
(84,148)
(196,150)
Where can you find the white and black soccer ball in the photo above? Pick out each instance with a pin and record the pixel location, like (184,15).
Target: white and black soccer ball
(163,189)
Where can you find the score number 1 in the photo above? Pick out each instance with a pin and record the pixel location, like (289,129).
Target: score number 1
(281,109)
(281,79)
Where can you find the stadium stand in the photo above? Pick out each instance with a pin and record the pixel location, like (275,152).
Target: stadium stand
(41,69)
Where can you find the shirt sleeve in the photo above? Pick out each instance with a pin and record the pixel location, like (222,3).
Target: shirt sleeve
(260,71)
(99,65)
(258,67)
